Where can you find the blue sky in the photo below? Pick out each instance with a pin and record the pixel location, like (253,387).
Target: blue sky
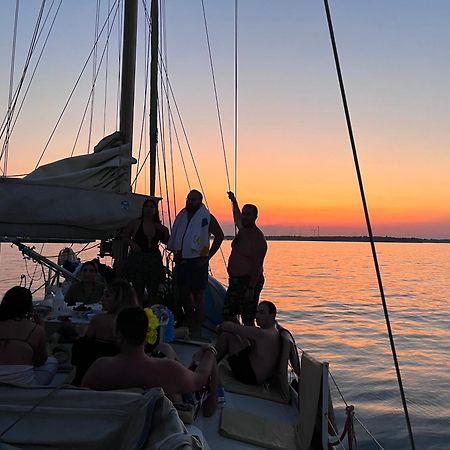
(293,144)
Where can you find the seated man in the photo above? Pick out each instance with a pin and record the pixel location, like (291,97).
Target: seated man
(253,352)
(132,368)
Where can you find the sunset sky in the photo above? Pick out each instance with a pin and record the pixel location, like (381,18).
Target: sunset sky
(294,157)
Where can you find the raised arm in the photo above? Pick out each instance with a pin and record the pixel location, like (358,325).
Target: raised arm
(236,210)
(216,230)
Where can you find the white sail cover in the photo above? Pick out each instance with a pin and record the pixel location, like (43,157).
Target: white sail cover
(57,418)
(106,168)
(81,198)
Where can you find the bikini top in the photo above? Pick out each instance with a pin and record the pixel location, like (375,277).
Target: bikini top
(26,340)
(141,239)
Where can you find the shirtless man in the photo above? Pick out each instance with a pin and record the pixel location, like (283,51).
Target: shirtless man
(189,242)
(133,368)
(253,352)
(245,265)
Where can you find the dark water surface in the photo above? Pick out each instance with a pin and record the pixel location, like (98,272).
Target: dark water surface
(327,295)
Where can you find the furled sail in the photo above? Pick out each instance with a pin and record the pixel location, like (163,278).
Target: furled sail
(81,198)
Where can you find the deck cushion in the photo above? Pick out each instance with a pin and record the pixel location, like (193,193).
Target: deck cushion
(257,430)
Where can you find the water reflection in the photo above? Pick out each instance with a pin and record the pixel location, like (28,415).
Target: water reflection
(328,297)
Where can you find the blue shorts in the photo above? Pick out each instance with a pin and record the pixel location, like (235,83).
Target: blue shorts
(192,273)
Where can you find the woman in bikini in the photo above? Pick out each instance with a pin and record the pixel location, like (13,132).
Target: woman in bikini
(145,269)
(23,354)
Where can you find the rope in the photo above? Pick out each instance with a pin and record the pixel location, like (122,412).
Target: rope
(33,43)
(71,93)
(235,96)
(162,39)
(345,402)
(11,82)
(179,148)
(368,223)
(163,154)
(144,109)
(105,103)
(347,430)
(119,72)
(183,128)
(16,95)
(12,103)
(216,97)
(169,121)
(94,72)
(91,94)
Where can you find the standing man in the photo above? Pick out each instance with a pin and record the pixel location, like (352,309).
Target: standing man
(245,265)
(190,243)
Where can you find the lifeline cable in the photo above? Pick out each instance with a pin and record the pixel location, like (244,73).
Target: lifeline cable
(368,223)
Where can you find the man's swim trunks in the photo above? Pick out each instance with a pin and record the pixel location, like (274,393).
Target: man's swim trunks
(235,301)
(241,367)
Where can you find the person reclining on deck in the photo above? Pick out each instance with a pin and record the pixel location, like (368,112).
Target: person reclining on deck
(23,354)
(133,368)
(252,352)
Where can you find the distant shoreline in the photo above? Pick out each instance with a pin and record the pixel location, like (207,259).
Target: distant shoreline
(411,240)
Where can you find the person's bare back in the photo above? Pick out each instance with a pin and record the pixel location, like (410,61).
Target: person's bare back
(132,368)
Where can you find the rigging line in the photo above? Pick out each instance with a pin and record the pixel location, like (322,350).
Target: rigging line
(163,62)
(71,93)
(216,96)
(35,68)
(33,43)
(235,97)
(90,96)
(94,70)
(12,103)
(36,266)
(178,143)
(346,404)
(163,154)
(368,223)
(11,82)
(187,141)
(105,103)
(144,111)
(185,134)
(336,433)
(86,248)
(119,72)
(161,67)
(169,121)
(161,116)
(38,288)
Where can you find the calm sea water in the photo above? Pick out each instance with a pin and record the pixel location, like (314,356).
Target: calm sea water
(327,295)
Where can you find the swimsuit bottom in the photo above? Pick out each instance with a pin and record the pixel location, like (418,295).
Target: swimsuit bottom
(241,367)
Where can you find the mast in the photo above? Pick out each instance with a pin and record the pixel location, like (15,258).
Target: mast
(154,95)
(128,73)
